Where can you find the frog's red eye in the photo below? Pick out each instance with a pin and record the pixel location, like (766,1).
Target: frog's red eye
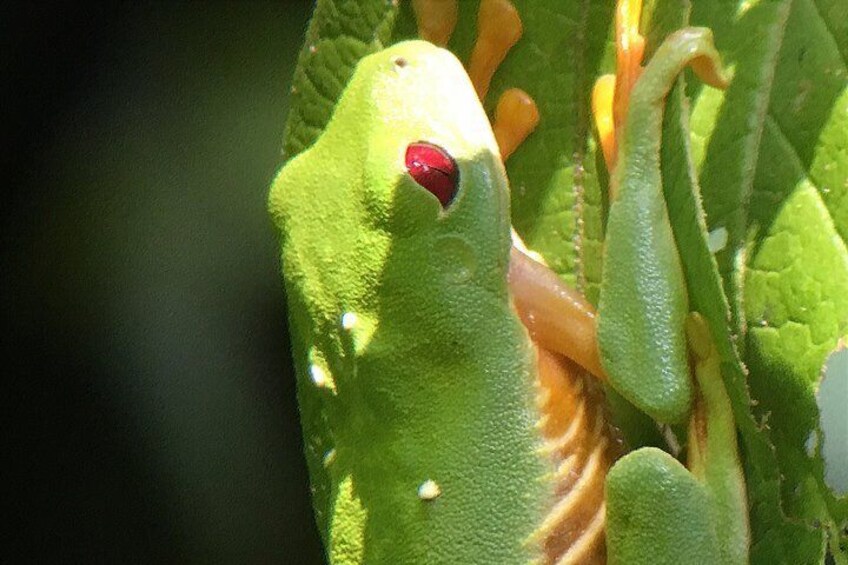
(434,169)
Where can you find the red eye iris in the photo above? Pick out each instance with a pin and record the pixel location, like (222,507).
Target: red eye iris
(434,169)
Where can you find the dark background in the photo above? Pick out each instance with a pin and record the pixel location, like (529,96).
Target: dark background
(151,412)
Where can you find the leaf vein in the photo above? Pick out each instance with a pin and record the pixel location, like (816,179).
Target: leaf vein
(792,153)
(831,33)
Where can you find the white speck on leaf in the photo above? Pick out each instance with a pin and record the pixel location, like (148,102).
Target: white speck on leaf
(717,240)
(811,443)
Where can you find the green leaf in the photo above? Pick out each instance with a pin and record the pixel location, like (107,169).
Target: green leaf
(779,139)
(727,126)
(340,33)
(794,544)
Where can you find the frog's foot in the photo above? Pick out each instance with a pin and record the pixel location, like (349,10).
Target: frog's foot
(436,20)
(603,94)
(516,116)
(498,29)
(611,94)
(629,49)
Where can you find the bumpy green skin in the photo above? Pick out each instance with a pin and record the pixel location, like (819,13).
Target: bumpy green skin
(434,379)
(643,292)
(658,511)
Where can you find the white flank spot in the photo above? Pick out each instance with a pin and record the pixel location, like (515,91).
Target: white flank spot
(349,320)
(429,490)
(717,240)
(329,457)
(319,377)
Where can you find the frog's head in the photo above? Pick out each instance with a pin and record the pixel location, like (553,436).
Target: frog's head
(428,131)
(415,375)
(408,155)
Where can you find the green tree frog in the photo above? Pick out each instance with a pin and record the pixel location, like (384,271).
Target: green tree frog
(436,429)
